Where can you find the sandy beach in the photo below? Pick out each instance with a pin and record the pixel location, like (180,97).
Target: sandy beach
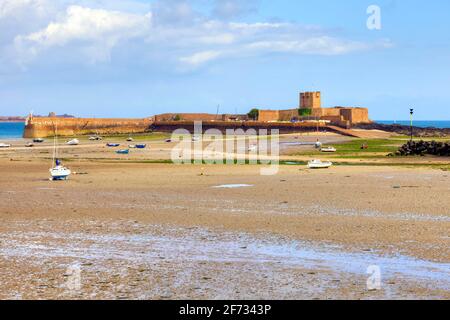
(134,228)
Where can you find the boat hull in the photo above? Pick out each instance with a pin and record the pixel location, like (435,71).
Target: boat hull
(319,165)
(59,173)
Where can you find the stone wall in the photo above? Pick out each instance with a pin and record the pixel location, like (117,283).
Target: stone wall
(268,115)
(200,117)
(326,112)
(288,115)
(45,127)
(355,115)
(188,117)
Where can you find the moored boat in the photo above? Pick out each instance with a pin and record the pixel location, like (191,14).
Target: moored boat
(125,151)
(73,142)
(141,146)
(253,148)
(113,145)
(58,172)
(328,149)
(319,164)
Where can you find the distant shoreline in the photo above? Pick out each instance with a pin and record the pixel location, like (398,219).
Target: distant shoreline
(438,124)
(403,129)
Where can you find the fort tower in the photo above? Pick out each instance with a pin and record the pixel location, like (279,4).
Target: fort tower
(310,100)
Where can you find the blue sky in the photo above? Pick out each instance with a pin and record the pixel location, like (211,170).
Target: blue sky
(135,58)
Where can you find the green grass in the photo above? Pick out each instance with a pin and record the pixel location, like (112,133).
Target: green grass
(139,136)
(377,148)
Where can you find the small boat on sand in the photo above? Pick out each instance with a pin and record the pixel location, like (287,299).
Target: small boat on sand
(328,149)
(29,145)
(125,151)
(95,138)
(5,145)
(318,164)
(141,146)
(253,148)
(58,172)
(38,140)
(113,145)
(73,142)
(132,146)
(168,140)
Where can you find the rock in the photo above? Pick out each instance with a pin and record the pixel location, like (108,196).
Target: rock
(422,148)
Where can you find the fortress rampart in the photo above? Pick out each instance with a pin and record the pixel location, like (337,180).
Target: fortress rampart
(308,114)
(223,126)
(45,127)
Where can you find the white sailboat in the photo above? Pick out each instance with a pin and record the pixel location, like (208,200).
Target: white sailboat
(58,172)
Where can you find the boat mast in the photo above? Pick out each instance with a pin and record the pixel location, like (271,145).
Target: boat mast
(54,144)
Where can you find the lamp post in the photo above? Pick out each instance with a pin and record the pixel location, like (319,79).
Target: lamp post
(411,112)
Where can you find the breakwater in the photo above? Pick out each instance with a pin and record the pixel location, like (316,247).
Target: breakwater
(223,126)
(46,127)
(421,148)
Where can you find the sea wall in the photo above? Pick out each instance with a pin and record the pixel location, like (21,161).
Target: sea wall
(223,126)
(45,127)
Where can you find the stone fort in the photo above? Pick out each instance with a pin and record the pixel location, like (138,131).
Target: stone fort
(310,108)
(307,116)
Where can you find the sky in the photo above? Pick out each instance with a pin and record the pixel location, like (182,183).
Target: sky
(137,58)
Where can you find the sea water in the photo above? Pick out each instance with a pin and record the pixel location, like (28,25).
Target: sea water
(440,124)
(11,130)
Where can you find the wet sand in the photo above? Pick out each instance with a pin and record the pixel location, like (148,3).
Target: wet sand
(161,231)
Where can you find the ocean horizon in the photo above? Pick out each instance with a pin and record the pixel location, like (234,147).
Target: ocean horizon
(439,124)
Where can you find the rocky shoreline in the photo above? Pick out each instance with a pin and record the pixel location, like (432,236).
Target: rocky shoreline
(422,148)
(406,130)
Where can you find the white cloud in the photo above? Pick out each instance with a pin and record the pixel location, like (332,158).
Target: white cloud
(94,30)
(169,31)
(200,57)
(11,8)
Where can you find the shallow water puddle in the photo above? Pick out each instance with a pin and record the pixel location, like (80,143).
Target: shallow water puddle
(233,186)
